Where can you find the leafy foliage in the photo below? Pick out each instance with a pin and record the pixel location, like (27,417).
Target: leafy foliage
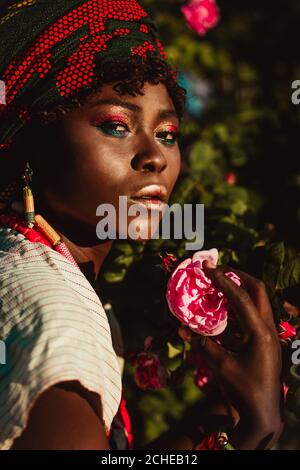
(243,124)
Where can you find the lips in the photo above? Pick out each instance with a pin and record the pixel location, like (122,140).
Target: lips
(152,196)
(151,192)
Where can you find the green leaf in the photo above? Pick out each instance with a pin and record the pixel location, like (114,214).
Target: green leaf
(277,306)
(124,248)
(293,396)
(295,373)
(183,191)
(277,253)
(228,447)
(289,276)
(124,260)
(173,351)
(201,155)
(205,162)
(272,266)
(293,402)
(239,207)
(173,363)
(114,276)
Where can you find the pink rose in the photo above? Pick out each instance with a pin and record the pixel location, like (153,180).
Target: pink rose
(149,371)
(194,300)
(287,331)
(201,15)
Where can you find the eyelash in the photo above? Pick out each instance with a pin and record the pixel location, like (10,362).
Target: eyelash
(169,141)
(104,126)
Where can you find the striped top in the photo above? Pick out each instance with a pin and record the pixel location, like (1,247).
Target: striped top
(54,328)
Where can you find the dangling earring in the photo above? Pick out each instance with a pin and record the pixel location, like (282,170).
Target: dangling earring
(28,197)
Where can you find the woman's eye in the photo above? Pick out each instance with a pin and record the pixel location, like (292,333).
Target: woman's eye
(113,128)
(170,138)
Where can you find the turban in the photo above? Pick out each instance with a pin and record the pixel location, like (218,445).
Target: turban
(51,50)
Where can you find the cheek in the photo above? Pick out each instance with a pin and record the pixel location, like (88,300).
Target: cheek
(174,167)
(101,177)
(105,177)
(105,169)
(98,162)
(94,176)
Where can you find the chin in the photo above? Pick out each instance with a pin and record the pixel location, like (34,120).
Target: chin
(142,230)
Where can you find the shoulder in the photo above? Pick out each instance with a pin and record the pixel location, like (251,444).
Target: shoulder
(34,291)
(54,328)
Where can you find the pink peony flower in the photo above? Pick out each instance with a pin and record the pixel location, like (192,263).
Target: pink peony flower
(194,300)
(201,15)
(287,331)
(149,371)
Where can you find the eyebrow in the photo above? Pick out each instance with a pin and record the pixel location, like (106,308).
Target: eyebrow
(163,113)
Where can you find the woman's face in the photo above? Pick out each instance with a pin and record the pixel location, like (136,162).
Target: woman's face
(112,146)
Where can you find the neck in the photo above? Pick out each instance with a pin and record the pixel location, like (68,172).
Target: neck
(89,258)
(88,251)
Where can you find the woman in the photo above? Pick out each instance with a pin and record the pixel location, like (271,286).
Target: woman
(93,108)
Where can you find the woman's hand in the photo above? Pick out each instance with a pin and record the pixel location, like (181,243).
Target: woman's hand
(250,377)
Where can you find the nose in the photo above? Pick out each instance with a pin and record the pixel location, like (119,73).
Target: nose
(149,158)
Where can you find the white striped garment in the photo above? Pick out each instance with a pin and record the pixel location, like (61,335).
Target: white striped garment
(54,328)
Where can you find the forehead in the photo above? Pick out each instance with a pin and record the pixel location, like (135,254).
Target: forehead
(154,97)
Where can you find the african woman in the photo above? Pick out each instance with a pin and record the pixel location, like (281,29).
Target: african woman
(92,112)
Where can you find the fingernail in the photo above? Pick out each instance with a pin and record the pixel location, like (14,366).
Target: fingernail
(209,264)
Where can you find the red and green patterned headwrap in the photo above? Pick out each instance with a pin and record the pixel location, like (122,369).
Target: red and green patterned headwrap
(51,50)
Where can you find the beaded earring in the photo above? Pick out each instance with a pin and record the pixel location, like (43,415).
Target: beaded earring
(32,219)
(28,197)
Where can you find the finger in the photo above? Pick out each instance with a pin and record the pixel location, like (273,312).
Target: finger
(238,298)
(216,354)
(257,290)
(204,344)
